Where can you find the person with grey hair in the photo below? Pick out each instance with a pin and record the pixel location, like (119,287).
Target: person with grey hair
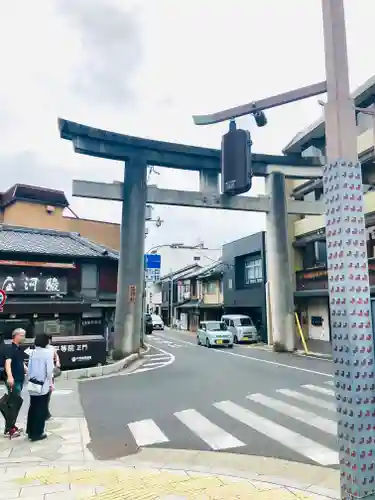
(14,373)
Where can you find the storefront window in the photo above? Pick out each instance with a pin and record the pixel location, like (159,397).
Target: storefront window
(56,327)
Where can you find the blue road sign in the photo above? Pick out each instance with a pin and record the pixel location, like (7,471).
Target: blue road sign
(152,267)
(152,261)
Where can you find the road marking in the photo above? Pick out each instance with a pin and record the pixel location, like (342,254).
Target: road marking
(265,361)
(166,358)
(308,399)
(146,432)
(322,390)
(211,434)
(156,357)
(147,365)
(307,417)
(292,440)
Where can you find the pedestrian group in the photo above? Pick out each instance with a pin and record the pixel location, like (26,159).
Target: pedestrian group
(38,376)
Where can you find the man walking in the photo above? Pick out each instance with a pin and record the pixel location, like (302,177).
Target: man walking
(14,372)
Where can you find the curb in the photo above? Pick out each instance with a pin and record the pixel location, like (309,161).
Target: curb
(316,355)
(99,371)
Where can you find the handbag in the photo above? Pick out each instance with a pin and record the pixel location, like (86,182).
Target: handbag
(35,386)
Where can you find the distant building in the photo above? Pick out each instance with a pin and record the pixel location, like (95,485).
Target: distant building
(308,241)
(245,278)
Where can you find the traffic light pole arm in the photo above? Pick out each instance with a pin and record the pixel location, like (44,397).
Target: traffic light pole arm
(269,102)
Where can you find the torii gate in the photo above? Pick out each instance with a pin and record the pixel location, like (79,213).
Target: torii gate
(134,193)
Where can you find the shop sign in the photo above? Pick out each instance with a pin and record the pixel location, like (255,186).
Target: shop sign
(80,353)
(132,294)
(37,283)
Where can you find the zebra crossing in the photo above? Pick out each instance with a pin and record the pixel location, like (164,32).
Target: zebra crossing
(153,361)
(301,423)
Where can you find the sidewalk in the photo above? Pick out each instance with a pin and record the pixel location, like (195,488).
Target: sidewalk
(62,467)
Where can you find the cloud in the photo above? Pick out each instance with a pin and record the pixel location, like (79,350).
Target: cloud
(111,50)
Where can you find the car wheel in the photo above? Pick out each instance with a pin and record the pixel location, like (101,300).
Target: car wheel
(235,339)
(198,341)
(208,343)
(230,346)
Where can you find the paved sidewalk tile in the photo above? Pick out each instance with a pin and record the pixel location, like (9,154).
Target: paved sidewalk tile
(103,482)
(67,440)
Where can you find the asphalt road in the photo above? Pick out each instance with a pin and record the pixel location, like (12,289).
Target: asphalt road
(245,400)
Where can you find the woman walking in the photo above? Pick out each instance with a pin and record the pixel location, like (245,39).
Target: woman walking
(40,383)
(56,371)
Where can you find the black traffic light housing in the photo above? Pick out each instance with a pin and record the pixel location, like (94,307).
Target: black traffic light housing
(236,171)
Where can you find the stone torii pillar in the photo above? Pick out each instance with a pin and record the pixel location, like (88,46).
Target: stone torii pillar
(128,315)
(279,270)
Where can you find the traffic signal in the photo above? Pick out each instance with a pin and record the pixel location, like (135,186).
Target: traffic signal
(236,172)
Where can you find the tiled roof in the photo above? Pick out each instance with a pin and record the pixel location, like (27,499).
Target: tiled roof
(206,272)
(180,272)
(49,242)
(37,194)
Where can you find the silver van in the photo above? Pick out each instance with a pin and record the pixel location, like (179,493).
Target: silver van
(242,327)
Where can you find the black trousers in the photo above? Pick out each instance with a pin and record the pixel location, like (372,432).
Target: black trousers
(37,415)
(48,403)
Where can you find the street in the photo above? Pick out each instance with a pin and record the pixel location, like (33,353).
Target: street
(245,400)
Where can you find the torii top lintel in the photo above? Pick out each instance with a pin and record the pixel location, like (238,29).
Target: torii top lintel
(111,145)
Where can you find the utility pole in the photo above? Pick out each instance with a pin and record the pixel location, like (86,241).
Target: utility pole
(349,288)
(171,304)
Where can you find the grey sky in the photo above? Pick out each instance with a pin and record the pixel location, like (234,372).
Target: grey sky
(144,67)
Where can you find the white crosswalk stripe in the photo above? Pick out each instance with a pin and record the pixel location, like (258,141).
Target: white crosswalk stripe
(257,413)
(214,436)
(146,432)
(327,405)
(322,390)
(307,417)
(304,446)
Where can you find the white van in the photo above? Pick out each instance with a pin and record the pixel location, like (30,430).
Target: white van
(242,327)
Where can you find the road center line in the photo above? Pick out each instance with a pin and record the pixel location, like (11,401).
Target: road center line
(266,361)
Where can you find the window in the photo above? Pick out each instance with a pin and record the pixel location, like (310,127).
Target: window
(253,271)
(211,287)
(243,322)
(315,254)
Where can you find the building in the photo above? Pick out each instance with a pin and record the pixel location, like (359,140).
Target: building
(173,259)
(245,278)
(57,283)
(308,233)
(170,285)
(200,296)
(37,207)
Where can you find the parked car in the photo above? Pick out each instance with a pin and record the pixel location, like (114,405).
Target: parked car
(148,324)
(214,333)
(242,327)
(157,322)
